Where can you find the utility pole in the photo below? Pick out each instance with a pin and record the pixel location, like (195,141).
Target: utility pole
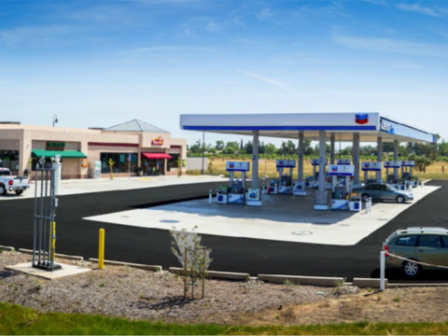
(203,153)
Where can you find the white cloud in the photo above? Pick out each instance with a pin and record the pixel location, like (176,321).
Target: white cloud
(393,46)
(284,87)
(417,8)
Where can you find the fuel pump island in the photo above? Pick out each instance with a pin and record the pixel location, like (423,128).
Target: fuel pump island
(284,183)
(351,128)
(236,192)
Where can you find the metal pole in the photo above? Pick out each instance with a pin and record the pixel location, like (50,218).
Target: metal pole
(203,272)
(185,274)
(356,137)
(379,157)
(396,158)
(323,158)
(300,155)
(35,214)
(382,270)
(101,249)
(203,153)
(332,148)
(255,160)
(210,197)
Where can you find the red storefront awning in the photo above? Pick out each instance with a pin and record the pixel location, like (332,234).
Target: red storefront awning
(155,156)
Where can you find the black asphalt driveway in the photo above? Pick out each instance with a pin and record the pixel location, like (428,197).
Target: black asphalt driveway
(151,246)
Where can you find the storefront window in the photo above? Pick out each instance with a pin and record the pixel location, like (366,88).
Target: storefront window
(173,162)
(47,163)
(10,160)
(124,162)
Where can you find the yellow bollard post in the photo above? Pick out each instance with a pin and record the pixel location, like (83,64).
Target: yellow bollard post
(101,249)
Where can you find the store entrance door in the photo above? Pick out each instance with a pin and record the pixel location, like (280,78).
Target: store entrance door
(154,167)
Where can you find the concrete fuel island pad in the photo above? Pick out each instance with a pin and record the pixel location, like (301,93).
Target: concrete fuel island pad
(281,217)
(66,270)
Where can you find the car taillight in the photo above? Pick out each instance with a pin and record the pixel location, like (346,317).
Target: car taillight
(386,248)
(11,182)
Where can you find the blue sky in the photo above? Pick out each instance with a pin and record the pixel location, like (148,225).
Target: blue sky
(99,63)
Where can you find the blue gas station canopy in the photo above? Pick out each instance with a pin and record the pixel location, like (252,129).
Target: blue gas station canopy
(369,126)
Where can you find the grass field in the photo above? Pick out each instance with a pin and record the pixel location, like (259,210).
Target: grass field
(267,168)
(16,320)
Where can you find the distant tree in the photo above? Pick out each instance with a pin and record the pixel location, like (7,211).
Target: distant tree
(196,148)
(270,149)
(233,144)
(220,145)
(248,148)
(228,150)
(261,148)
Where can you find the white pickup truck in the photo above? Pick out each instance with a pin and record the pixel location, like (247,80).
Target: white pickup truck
(8,182)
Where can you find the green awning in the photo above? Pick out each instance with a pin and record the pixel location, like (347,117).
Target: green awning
(67,154)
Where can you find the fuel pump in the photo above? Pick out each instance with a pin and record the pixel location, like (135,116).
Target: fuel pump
(285,178)
(368,167)
(391,180)
(341,187)
(235,193)
(313,181)
(407,175)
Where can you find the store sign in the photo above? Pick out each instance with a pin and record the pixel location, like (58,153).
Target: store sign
(362,119)
(55,146)
(386,126)
(157,141)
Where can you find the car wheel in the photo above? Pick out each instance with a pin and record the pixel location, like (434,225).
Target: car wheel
(400,199)
(2,190)
(411,269)
(365,197)
(19,192)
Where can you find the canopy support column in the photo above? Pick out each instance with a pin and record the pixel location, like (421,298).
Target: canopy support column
(300,157)
(332,148)
(356,158)
(321,201)
(379,157)
(396,158)
(255,160)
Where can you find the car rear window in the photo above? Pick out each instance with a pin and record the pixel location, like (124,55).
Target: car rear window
(445,240)
(407,241)
(429,241)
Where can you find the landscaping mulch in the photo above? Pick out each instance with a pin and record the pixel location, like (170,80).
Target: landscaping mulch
(139,294)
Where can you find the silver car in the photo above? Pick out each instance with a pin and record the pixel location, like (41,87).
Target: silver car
(427,246)
(381,191)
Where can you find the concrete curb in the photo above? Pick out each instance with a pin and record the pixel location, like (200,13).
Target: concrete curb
(7,248)
(301,280)
(403,285)
(59,255)
(153,268)
(368,282)
(216,274)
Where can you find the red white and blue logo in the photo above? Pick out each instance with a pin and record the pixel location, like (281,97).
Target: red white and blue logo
(280,163)
(366,165)
(231,165)
(361,118)
(334,168)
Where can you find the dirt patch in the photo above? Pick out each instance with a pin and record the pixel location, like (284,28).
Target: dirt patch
(139,294)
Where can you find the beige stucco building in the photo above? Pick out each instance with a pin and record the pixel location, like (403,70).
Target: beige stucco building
(133,146)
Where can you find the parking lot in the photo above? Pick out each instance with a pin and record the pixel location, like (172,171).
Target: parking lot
(132,243)
(281,218)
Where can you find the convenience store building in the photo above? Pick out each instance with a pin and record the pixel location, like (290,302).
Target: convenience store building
(133,146)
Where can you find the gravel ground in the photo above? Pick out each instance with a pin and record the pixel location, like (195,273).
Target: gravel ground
(139,294)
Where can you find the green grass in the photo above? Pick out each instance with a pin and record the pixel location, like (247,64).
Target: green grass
(16,320)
